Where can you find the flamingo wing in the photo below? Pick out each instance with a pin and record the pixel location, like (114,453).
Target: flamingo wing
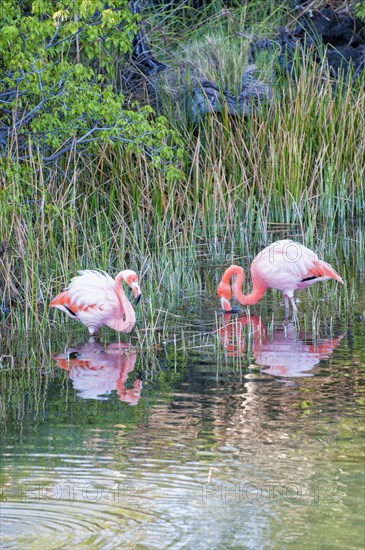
(321,269)
(92,287)
(287,265)
(90,297)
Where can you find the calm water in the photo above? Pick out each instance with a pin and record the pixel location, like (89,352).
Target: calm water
(239,434)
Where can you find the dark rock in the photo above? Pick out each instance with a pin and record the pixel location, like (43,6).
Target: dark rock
(206,97)
(346,55)
(331,27)
(340,35)
(253,90)
(141,51)
(259,45)
(144,75)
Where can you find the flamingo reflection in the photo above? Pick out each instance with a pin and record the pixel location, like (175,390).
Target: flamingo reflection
(283,353)
(96,370)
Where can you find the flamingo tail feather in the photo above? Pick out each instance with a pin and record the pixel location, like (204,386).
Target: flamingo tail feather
(323,269)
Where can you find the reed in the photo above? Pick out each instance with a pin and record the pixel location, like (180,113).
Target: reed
(292,169)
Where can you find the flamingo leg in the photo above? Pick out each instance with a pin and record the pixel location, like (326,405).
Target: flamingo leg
(286,300)
(295,309)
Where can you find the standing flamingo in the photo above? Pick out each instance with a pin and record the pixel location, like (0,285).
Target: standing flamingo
(284,265)
(95,299)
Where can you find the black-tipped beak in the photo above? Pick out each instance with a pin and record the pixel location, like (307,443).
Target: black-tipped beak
(138,297)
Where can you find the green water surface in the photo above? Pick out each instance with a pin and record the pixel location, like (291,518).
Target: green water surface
(238,433)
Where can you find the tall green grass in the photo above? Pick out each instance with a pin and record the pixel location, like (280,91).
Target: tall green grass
(294,168)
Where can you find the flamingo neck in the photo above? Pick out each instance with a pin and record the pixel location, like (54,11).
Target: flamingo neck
(244,299)
(129,320)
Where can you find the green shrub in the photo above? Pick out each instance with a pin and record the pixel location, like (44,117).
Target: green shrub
(60,92)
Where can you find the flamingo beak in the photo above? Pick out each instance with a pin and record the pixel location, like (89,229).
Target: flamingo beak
(136,292)
(226,306)
(224,294)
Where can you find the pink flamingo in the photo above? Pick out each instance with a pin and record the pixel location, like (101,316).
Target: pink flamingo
(284,265)
(96,300)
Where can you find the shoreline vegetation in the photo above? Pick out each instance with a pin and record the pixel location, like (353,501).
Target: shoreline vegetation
(218,192)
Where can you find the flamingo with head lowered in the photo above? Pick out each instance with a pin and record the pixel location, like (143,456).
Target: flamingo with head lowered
(284,265)
(96,300)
